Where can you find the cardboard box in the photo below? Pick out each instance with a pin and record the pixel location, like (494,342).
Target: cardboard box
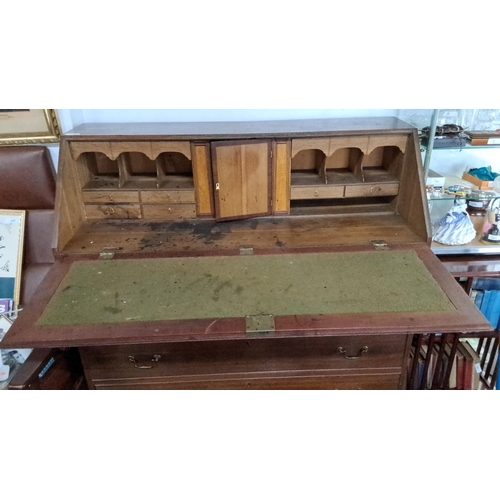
(435,181)
(482,185)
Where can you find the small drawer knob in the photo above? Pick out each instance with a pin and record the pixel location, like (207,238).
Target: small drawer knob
(316,194)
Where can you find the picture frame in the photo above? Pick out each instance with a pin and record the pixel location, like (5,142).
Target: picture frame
(12,223)
(5,324)
(28,126)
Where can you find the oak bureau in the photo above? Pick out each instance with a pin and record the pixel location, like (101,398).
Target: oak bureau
(234,255)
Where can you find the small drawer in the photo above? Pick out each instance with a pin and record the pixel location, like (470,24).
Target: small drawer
(361,190)
(174,196)
(116,196)
(131,211)
(316,192)
(170,212)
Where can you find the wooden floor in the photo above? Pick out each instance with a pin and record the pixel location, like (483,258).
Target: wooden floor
(208,236)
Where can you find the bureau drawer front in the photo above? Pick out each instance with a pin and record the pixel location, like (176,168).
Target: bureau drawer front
(123,211)
(103,197)
(373,381)
(316,192)
(380,189)
(265,358)
(170,211)
(174,196)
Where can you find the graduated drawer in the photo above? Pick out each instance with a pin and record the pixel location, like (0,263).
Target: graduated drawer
(361,190)
(123,211)
(326,381)
(318,192)
(266,359)
(170,211)
(101,197)
(174,196)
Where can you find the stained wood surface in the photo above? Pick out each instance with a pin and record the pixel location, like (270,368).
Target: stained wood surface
(238,130)
(195,237)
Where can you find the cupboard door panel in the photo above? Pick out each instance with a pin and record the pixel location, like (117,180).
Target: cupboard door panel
(242,175)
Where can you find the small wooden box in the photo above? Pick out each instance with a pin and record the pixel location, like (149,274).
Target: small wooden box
(288,254)
(482,185)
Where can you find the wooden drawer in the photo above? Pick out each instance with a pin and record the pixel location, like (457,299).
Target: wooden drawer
(174,196)
(115,196)
(374,381)
(170,211)
(360,190)
(316,192)
(130,211)
(331,362)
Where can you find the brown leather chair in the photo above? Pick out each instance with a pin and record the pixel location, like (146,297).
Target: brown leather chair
(28,182)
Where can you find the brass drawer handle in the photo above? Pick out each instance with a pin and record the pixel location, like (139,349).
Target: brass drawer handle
(362,351)
(154,360)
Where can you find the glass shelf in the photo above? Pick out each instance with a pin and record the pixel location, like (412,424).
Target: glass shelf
(467,147)
(448,197)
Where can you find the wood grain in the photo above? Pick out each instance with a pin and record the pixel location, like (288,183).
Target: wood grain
(282,172)
(202,172)
(242,174)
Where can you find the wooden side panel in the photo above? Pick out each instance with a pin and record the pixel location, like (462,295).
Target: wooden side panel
(202,174)
(412,200)
(242,176)
(282,173)
(69,204)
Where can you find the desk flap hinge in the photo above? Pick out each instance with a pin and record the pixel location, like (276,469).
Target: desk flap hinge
(106,255)
(246,251)
(260,324)
(380,245)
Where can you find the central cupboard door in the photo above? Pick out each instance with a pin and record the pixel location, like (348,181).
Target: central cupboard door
(242,179)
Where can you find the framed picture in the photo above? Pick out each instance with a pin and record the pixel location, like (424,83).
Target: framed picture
(28,126)
(5,324)
(11,255)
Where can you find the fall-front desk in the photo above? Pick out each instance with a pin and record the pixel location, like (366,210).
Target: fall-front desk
(243,255)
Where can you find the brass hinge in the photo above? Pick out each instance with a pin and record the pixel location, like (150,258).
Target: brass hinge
(108,253)
(246,251)
(380,245)
(261,324)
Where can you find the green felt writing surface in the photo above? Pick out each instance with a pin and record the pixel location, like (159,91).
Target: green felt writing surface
(224,287)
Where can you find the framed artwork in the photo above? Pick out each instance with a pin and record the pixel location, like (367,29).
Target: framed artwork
(5,324)
(28,126)
(11,255)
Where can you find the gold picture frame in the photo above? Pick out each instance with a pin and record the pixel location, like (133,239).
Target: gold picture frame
(12,223)
(28,126)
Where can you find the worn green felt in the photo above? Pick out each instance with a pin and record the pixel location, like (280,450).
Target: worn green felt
(223,287)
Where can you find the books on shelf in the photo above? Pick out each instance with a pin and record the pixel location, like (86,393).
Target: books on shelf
(487,299)
(465,366)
